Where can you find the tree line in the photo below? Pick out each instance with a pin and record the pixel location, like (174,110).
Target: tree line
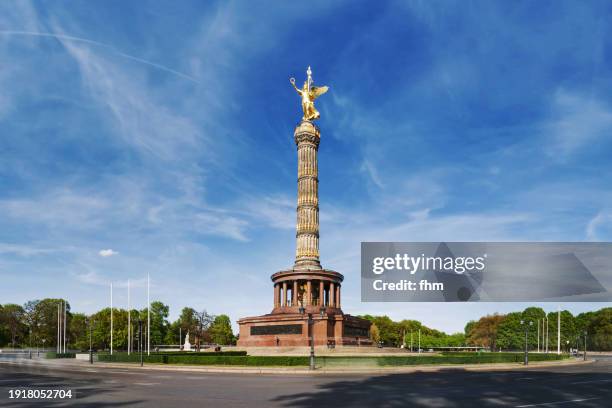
(35,325)
(504,331)
(507,333)
(408,332)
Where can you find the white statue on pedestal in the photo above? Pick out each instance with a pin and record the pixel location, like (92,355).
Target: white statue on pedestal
(187,345)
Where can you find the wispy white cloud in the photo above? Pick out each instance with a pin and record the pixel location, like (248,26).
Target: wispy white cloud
(275,211)
(105,253)
(66,37)
(372,172)
(141,120)
(576,121)
(597,223)
(63,207)
(221,225)
(25,250)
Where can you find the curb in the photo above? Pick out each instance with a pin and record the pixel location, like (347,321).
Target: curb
(300,371)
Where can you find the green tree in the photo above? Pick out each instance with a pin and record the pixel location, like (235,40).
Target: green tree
(79,332)
(203,322)
(568,330)
(397,333)
(599,331)
(41,318)
(13,318)
(390,331)
(101,329)
(468,327)
(221,330)
(535,315)
(510,334)
(4,331)
(159,322)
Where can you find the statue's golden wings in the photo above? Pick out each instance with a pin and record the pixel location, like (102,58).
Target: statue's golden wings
(319,90)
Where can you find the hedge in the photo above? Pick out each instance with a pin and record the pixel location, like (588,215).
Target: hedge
(210,359)
(131,358)
(202,353)
(53,354)
(474,358)
(206,359)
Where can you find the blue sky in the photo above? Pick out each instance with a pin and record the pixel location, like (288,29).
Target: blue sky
(163,131)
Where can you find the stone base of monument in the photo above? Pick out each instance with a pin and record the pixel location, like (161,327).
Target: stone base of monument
(333,329)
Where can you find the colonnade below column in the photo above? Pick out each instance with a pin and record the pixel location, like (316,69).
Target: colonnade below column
(311,292)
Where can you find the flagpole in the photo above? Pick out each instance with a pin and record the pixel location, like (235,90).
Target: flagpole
(543,334)
(57,346)
(148,315)
(558,330)
(538,335)
(111,328)
(65,324)
(547,337)
(129,321)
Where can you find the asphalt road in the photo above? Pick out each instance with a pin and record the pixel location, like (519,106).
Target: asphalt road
(588,385)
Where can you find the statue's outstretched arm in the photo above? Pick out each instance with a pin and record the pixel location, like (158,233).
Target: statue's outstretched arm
(292,80)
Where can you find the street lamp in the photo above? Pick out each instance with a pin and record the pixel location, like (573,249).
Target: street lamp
(311,331)
(546,334)
(584,355)
(524,323)
(91,323)
(140,341)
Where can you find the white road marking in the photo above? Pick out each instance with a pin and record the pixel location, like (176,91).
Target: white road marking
(590,381)
(145,384)
(556,402)
(526,378)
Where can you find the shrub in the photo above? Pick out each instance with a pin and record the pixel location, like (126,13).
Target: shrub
(202,353)
(53,354)
(132,358)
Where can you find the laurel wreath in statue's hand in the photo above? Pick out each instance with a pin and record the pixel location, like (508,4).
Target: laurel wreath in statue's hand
(292,80)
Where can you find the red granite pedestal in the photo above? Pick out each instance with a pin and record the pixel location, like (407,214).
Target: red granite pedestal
(288,324)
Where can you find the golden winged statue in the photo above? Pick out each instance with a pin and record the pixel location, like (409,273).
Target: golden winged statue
(309,93)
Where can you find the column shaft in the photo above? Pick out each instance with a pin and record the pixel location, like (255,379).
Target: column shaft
(307,236)
(294,293)
(276,297)
(338,296)
(321,293)
(284,294)
(309,293)
(332,292)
